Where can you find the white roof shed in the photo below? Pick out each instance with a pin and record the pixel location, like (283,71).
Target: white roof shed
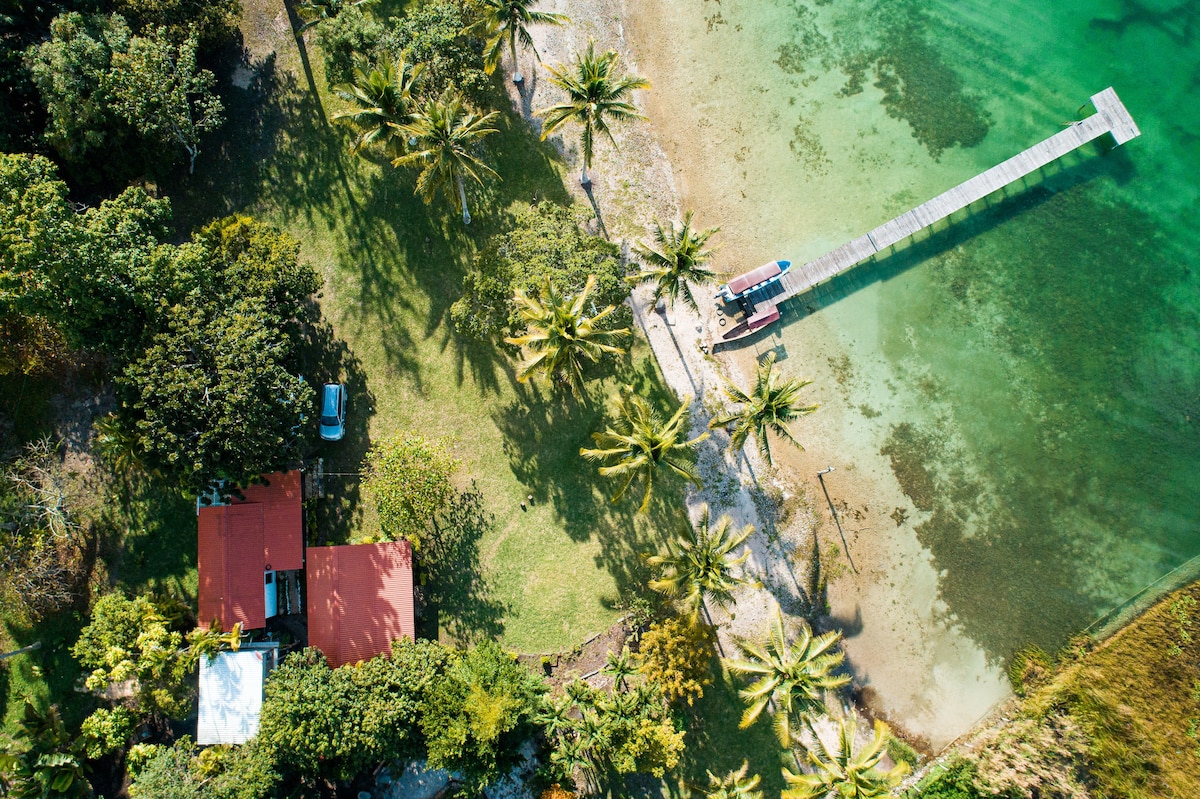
(231,695)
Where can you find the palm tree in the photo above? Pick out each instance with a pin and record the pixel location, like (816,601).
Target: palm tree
(792,677)
(841,772)
(700,566)
(208,642)
(508,20)
(445,133)
(772,404)
(641,442)
(680,257)
(383,100)
(620,667)
(734,785)
(561,334)
(42,759)
(595,95)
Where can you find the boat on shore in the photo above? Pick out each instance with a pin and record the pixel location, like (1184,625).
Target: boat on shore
(747,301)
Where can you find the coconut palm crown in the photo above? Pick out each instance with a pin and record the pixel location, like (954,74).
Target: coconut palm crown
(595,96)
(676,259)
(734,785)
(840,771)
(793,677)
(561,334)
(772,404)
(508,21)
(383,100)
(700,565)
(446,133)
(639,442)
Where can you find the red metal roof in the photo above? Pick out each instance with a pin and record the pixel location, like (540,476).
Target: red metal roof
(238,542)
(360,599)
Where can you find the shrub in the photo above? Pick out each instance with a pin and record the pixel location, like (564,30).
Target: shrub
(677,657)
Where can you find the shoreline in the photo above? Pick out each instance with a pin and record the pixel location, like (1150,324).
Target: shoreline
(942,686)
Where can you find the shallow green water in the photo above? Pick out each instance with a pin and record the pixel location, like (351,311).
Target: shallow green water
(1031,372)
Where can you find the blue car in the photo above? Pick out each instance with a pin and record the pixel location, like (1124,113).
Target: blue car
(333,411)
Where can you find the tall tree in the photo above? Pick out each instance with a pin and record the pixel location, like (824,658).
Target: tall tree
(546,241)
(129,639)
(410,478)
(160,89)
(508,21)
(383,98)
(676,259)
(793,677)
(772,404)
(562,335)
(734,785)
(69,71)
(596,96)
(213,398)
(845,773)
(640,442)
(447,134)
(700,565)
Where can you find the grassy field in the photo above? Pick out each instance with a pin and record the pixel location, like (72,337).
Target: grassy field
(540,580)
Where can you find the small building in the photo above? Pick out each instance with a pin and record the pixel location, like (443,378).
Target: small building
(247,548)
(360,599)
(231,694)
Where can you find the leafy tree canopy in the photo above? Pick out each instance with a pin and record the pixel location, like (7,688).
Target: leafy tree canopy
(129,639)
(546,243)
(473,716)
(69,71)
(410,478)
(213,398)
(337,723)
(433,35)
(677,657)
(212,21)
(103,88)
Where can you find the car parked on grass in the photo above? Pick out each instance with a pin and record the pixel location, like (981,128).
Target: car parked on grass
(333,411)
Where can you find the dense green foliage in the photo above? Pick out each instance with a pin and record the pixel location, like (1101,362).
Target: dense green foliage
(677,656)
(431,34)
(43,760)
(103,87)
(130,639)
(409,477)
(213,22)
(319,722)
(479,712)
(545,243)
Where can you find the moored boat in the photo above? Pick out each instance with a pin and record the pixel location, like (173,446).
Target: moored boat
(754,280)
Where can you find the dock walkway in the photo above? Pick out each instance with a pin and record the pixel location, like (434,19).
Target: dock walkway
(1110,117)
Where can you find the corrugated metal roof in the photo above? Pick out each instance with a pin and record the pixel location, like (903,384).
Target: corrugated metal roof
(236,543)
(360,599)
(231,695)
(283,519)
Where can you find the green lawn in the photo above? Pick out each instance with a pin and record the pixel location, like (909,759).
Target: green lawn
(540,580)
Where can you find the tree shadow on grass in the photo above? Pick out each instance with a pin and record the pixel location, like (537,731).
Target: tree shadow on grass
(544,430)
(458,597)
(324,357)
(716,744)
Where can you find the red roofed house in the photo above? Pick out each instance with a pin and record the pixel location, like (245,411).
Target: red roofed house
(246,549)
(360,599)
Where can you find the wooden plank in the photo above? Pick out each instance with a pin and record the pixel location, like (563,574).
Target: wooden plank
(1111,117)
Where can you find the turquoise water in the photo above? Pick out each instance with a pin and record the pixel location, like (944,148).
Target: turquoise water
(1030,373)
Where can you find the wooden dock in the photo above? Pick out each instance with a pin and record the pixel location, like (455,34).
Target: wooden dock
(1110,117)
